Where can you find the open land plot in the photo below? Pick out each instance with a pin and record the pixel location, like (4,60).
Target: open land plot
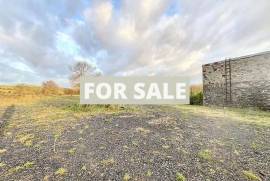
(54,138)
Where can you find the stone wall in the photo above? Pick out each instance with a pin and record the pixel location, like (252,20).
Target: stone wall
(213,84)
(250,80)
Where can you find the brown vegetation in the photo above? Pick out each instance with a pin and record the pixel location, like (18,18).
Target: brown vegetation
(194,89)
(50,88)
(24,94)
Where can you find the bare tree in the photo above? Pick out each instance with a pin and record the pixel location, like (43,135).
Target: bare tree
(80,69)
(49,87)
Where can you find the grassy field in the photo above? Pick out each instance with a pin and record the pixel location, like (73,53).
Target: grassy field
(49,112)
(55,138)
(255,117)
(28,94)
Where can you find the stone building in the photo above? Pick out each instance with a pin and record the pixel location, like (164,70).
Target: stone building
(241,82)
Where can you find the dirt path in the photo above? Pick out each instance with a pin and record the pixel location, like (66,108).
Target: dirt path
(164,143)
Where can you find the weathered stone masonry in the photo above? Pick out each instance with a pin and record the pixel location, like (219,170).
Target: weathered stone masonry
(248,82)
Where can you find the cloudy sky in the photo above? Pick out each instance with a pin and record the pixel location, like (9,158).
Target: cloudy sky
(39,39)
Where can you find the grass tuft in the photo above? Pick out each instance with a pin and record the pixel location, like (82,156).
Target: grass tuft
(149,173)
(2,164)
(142,130)
(26,139)
(84,168)
(126,177)
(206,155)
(19,168)
(180,177)
(107,162)
(72,151)
(251,176)
(28,165)
(61,172)
(15,169)
(2,151)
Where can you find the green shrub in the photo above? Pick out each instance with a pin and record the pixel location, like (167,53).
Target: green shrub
(196,98)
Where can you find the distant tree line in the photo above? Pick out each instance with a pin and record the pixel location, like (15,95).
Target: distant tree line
(78,70)
(50,87)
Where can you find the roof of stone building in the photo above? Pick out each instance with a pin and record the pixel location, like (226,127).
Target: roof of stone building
(250,55)
(242,57)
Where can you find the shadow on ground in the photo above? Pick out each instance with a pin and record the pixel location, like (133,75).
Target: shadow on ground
(8,113)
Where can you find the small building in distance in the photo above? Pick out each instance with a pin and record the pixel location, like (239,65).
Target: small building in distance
(239,82)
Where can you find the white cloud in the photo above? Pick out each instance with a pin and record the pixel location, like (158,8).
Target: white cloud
(141,38)
(100,14)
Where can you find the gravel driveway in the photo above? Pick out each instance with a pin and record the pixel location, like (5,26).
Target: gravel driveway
(160,143)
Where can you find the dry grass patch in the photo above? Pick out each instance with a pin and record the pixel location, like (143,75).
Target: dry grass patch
(126,177)
(26,139)
(164,121)
(165,146)
(19,100)
(142,130)
(245,115)
(54,114)
(19,168)
(107,162)
(2,151)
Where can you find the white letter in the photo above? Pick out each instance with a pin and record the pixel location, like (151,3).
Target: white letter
(88,89)
(139,89)
(153,91)
(180,88)
(166,92)
(108,91)
(119,91)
